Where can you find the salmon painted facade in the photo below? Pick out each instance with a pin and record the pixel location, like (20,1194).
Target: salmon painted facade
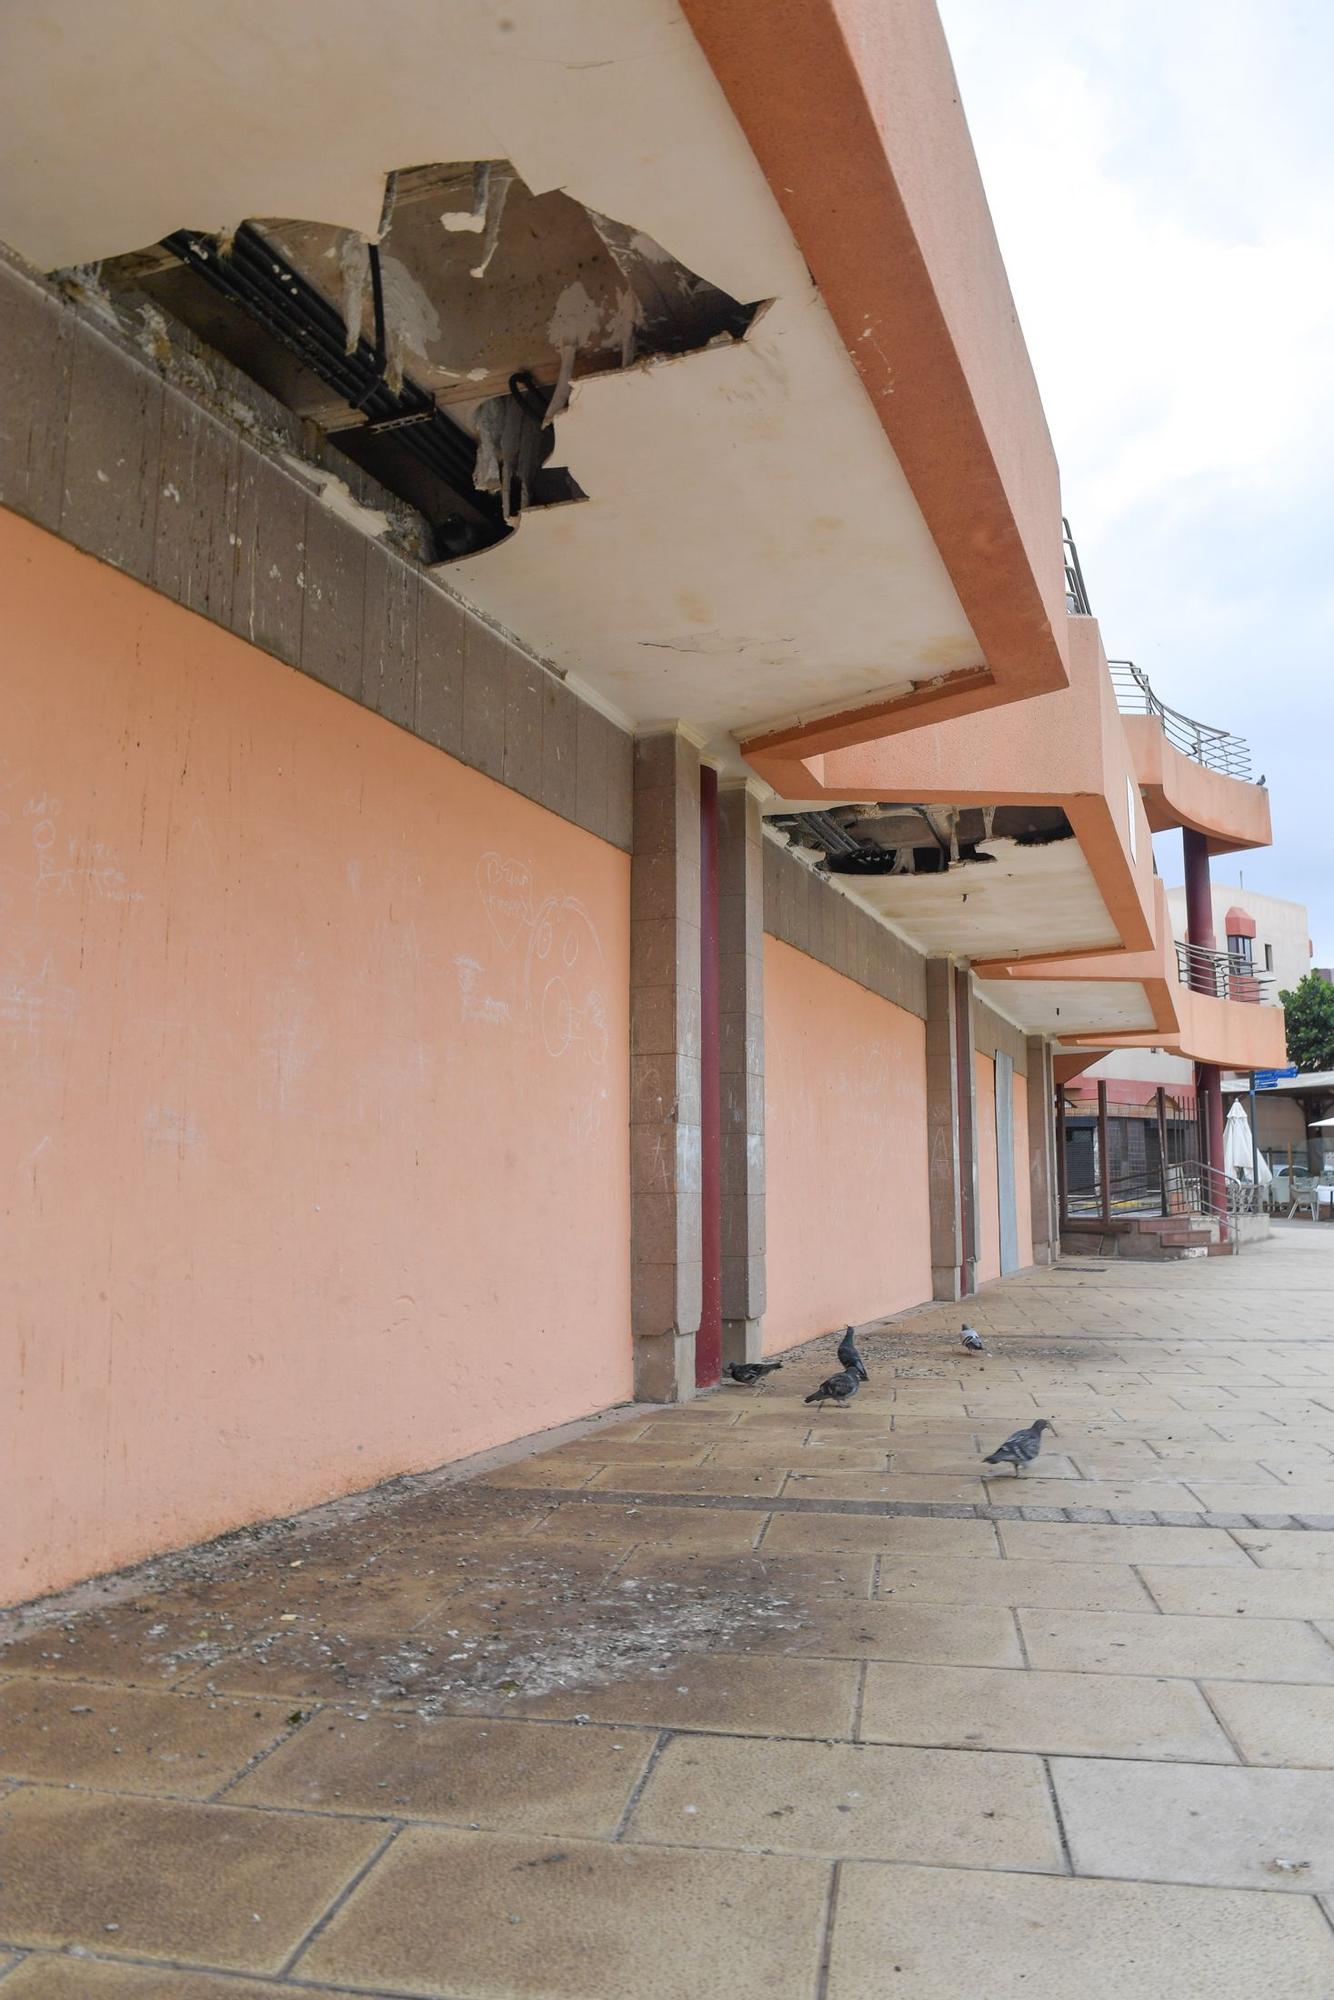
(564,816)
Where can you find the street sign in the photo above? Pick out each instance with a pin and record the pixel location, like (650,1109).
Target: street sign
(1265,1079)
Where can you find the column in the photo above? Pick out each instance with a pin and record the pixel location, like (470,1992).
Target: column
(1200,931)
(665,1246)
(949,1128)
(1042,1149)
(741,1044)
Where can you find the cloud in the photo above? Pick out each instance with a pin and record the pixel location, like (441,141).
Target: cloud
(1161,179)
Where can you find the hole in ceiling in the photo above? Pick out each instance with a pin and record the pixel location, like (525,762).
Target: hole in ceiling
(901,839)
(439,357)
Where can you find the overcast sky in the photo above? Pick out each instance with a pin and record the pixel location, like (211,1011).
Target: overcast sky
(1161,173)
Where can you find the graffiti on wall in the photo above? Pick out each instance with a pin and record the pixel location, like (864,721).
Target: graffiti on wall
(539,968)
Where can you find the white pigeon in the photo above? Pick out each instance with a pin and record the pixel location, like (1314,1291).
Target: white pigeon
(972,1340)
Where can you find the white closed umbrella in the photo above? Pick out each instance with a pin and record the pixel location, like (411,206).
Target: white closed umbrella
(1239,1158)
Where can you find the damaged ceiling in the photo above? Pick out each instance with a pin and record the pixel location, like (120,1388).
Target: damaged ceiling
(741,545)
(978,882)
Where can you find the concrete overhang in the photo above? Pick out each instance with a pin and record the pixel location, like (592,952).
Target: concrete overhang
(851,505)
(1180,792)
(1091,894)
(1137,1000)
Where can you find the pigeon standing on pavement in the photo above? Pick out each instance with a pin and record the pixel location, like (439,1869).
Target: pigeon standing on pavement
(748,1373)
(848,1355)
(837,1388)
(972,1340)
(1021,1448)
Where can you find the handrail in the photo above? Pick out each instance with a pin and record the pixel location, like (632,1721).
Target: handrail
(1224,974)
(1190,1188)
(1076,595)
(1216,749)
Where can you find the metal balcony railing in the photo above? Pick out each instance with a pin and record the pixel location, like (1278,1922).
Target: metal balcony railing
(1214,748)
(1076,596)
(1224,974)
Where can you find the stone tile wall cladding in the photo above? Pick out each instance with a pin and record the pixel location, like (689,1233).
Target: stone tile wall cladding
(991,1032)
(804,910)
(166,462)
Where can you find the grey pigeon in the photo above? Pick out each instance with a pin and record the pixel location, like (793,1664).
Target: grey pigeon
(1021,1448)
(837,1388)
(848,1355)
(748,1373)
(972,1340)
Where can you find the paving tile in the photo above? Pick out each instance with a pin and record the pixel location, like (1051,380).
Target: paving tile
(549,1472)
(1264,1498)
(844,1798)
(763,1482)
(1066,1586)
(48,1977)
(1248,1593)
(130,1739)
(1199,1548)
(735,1693)
(926,1487)
(732,1531)
(946,1934)
(971,1635)
(1104,1642)
(1277,1725)
(149,1645)
(804,1533)
(1157,1496)
(206,1883)
(805,1576)
(515,1776)
(1078,1714)
(1229,1827)
(495,1918)
(796,1457)
(1295,1548)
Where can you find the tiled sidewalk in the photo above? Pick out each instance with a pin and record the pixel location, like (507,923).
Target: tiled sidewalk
(743,1698)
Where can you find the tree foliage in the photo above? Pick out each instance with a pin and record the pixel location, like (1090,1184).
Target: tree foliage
(1308,1011)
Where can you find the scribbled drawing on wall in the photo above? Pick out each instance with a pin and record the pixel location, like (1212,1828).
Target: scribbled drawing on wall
(65,861)
(33,999)
(477,1006)
(552,956)
(287,1050)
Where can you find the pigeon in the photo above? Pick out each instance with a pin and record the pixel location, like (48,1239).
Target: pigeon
(972,1340)
(1022,1448)
(837,1388)
(748,1373)
(848,1355)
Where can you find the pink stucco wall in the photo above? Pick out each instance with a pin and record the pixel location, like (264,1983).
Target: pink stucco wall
(1023,1191)
(846,1224)
(315,1074)
(988,1191)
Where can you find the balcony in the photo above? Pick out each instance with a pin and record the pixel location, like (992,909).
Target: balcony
(1190,774)
(1224,974)
(1215,749)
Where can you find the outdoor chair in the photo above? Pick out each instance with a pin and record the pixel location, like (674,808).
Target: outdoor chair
(1303,1193)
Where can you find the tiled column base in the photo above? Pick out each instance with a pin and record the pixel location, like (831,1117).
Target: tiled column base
(665,1068)
(1042,1150)
(945,1185)
(741,1021)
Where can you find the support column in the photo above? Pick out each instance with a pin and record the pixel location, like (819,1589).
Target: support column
(1200,931)
(741,1043)
(949,1128)
(665,1150)
(1042,1150)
